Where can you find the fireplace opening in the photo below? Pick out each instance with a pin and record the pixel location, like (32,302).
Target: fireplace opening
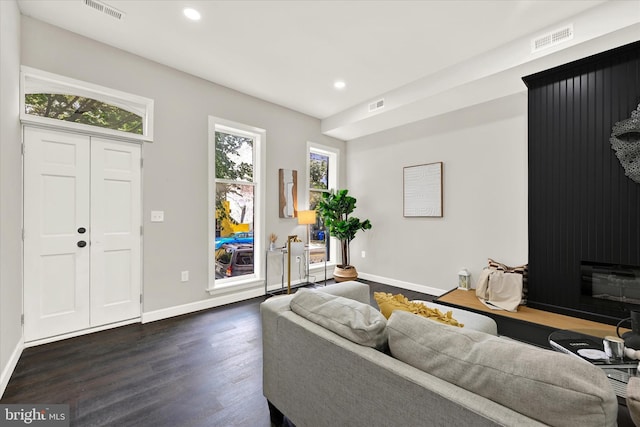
(609,289)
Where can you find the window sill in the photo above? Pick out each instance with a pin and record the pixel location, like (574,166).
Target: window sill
(235,286)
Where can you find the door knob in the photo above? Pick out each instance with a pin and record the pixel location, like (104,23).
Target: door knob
(82,244)
(82,230)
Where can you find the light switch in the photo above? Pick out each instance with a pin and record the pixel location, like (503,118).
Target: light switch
(157,216)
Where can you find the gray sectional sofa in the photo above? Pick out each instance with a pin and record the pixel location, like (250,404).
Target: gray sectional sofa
(330,359)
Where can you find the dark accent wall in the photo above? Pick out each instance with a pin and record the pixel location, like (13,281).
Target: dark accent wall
(582,207)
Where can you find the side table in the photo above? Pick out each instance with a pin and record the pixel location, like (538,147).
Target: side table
(283,252)
(572,342)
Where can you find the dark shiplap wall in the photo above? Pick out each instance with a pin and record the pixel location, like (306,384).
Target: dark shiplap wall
(581,205)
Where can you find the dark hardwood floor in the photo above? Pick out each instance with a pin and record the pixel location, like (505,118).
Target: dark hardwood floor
(200,369)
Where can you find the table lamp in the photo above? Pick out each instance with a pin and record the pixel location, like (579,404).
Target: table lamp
(307,218)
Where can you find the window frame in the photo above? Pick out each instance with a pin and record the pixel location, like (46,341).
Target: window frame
(334,176)
(259,136)
(33,81)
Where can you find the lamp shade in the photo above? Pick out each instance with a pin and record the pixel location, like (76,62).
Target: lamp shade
(306,217)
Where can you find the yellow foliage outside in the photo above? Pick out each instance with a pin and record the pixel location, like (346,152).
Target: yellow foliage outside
(227,227)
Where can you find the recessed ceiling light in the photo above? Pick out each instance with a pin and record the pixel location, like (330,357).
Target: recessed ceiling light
(339,84)
(192,14)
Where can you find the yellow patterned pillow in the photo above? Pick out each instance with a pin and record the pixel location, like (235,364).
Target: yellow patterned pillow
(388,303)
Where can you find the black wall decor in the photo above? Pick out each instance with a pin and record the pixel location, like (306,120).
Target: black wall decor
(582,207)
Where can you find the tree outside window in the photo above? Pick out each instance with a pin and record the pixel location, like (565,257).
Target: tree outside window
(78,109)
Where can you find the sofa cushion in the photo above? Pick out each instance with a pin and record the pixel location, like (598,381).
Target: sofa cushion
(353,320)
(554,388)
(389,302)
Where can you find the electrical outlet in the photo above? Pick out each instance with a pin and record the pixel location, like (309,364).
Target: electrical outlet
(364,254)
(184,276)
(157,216)
(298,258)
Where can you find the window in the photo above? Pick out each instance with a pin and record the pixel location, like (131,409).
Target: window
(235,203)
(51,99)
(78,109)
(323,177)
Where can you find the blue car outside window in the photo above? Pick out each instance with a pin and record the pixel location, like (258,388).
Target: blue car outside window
(240,237)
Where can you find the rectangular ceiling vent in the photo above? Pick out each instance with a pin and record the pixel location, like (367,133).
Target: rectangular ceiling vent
(376,105)
(552,38)
(105,8)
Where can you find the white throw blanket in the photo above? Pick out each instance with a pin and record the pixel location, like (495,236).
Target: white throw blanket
(499,290)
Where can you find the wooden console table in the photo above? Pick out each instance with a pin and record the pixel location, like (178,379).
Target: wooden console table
(528,324)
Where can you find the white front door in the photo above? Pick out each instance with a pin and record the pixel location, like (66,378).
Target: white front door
(56,207)
(115,231)
(81,232)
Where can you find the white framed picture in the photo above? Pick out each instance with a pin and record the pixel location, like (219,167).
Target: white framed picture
(422,190)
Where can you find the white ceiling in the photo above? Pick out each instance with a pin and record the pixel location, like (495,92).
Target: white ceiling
(291,52)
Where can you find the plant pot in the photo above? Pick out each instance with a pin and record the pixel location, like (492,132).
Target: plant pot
(345,273)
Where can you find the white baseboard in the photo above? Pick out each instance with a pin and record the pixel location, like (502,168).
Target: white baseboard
(230,297)
(11,366)
(404,285)
(179,310)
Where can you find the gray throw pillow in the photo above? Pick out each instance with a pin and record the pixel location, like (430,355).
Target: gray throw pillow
(551,387)
(351,319)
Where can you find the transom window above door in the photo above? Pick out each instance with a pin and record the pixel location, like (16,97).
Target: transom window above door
(78,109)
(50,99)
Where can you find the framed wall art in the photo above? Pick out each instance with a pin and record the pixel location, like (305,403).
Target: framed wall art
(288,184)
(422,190)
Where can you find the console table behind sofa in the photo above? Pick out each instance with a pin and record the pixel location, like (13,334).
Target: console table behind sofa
(528,324)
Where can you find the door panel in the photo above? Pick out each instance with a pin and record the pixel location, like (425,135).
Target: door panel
(59,204)
(58,284)
(56,199)
(115,225)
(118,272)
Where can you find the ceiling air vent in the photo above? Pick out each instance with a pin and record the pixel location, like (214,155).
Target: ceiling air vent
(376,105)
(105,8)
(552,38)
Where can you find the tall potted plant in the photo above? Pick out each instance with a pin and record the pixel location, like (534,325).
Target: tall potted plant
(334,209)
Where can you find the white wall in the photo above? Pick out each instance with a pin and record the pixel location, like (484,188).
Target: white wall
(10,193)
(175,164)
(484,151)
